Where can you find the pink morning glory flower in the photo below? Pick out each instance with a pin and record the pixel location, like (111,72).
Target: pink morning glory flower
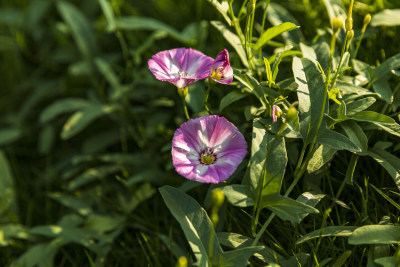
(276,113)
(207,149)
(221,71)
(180,66)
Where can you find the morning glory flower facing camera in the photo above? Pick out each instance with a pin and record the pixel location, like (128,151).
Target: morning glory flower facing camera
(207,149)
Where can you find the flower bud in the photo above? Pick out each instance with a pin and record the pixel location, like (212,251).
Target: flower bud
(350,36)
(367,19)
(217,198)
(337,24)
(349,24)
(276,113)
(291,114)
(182,262)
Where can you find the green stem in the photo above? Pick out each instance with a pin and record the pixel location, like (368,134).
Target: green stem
(206,97)
(263,23)
(359,43)
(185,108)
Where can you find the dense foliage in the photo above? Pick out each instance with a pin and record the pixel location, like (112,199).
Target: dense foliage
(86,174)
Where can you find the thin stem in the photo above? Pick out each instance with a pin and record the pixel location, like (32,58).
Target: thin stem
(206,97)
(263,23)
(185,108)
(359,42)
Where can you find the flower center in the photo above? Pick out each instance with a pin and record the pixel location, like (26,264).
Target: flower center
(207,157)
(182,74)
(218,73)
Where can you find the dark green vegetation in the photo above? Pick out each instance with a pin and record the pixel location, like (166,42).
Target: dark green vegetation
(86,129)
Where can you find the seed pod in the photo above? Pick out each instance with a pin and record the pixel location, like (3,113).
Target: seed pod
(367,19)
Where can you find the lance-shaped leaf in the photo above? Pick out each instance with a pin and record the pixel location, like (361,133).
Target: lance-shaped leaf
(286,208)
(336,140)
(342,231)
(310,93)
(80,28)
(195,223)
(355,134)
(386,67)
(388,161)
(273,32)
(232,97)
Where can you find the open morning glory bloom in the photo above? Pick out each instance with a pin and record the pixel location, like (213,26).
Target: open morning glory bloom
(180,66)
(221,71)
(207,149)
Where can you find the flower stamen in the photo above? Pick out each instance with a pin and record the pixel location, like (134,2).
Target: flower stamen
(207,157)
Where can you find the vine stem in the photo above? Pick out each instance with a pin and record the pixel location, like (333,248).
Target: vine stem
(185,108)
(206,97)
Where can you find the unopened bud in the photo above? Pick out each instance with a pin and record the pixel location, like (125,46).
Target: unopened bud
(291,114)
(350,36)
(337,24)
(349,24)
(367,19)
(217,198)
(276,113)
(182,262)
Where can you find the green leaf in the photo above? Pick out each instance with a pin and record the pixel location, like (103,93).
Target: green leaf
(143,23)
(62,106)
(348,89)
(251,84)
(392,128)
(311,199)
(109,14)
(388,161)
(375,235)
(277,15)
(393,261)
(321,156)
(385,68)
(232,39)
(272,32)
(355,134)
(39,255)
(341,231)
(81,119)
(9,135)
(382,88)
(342,259)
(310,92)
(275,166)
(80,28)
(260,138)
(222,8)
(194,222)
(231,97)
(235,258)
(335,140)
(108,73)
(286,208)
(8,232)
(359,105)
(268,70)
(7,191)
(371,116)
(387,17)
(238,195)
(233,240)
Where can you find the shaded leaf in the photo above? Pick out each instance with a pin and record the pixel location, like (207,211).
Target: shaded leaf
(286,208)
(342,231)
(194,222)
(321,156)
(80,28)
(230,98)
(375,234)
(388,161)
(387,17)
(238,195)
